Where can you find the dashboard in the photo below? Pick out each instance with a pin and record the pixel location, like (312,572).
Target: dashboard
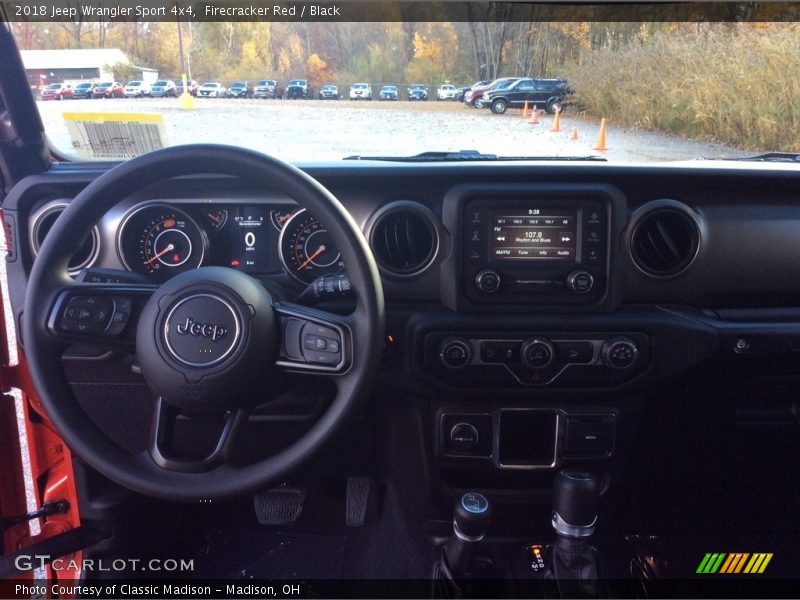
(564,290)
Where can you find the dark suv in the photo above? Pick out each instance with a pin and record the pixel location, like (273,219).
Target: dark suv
(298,88)
(551,94)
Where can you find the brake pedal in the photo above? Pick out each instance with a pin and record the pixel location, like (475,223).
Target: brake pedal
(357,496)
(279,506)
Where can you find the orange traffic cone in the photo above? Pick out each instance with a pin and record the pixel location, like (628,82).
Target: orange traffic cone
(556,121)
(601,138)
(573,135)
(525,110)
(534,116)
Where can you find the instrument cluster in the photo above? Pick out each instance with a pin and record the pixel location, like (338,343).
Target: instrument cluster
(159,240)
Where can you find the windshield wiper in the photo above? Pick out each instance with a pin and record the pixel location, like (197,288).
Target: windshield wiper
(788,157)
(468,155)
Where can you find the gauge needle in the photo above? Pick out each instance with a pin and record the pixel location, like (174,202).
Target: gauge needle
(319,251)
(169,248)
(215,218)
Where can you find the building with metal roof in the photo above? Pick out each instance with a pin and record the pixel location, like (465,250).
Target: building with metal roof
(86,64)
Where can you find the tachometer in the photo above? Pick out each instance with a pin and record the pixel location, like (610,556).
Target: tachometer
(307,249)
(160,241)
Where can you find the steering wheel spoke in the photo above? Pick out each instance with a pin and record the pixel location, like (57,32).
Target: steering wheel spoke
(102,315)
(162,434)
(313,341)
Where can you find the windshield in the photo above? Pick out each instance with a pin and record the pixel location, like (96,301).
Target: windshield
(628,91)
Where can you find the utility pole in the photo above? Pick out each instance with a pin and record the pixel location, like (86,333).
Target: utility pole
(187,102)
(180,38)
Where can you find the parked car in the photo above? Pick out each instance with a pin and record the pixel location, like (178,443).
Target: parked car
(329,92)
(164,88)
(108,89)
(446,92)
(459,96)
(417,92)
(239,89)
(191,87)
(361,91)
(211,89)
(472,88)
(83,90)
(548,93)
(298,88)
(474,97)
(267,88)
(57,91)
(136,89)
(388,92)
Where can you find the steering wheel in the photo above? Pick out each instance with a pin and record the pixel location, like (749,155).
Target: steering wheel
(210,341)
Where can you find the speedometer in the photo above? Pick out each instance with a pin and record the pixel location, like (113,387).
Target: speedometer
(307,249)
(160,241)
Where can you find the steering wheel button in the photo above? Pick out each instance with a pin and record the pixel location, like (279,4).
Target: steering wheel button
(313,342)
(333,346)
(320,331)
(85,314)
(292,337)
(322,358)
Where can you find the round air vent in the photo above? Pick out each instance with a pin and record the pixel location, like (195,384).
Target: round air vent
(665,239)
(43,222)
(404,238)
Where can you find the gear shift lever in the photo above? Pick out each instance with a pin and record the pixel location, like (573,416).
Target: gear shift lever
(573,562)
(575,500)
(471,517)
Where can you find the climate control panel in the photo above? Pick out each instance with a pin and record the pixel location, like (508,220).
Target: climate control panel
(559,359)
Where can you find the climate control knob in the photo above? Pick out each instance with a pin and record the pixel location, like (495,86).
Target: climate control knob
(536,352)
(455,353)
(487,281)
(580,282)
(619,352)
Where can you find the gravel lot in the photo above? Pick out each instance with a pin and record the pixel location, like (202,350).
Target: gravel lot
(307,130)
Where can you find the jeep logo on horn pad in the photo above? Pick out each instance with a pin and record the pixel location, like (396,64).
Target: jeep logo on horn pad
(206,330)
(201,330)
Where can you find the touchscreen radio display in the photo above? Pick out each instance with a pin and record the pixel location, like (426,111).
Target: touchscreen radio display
(534,234)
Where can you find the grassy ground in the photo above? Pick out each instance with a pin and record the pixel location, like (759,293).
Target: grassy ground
(735,83)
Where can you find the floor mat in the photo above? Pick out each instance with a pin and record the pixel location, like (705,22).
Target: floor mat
(273,555)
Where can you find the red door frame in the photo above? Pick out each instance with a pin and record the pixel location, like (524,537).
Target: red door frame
(52,474)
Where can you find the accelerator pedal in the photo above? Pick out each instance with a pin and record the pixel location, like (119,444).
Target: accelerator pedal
(357,497)
(280,505)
